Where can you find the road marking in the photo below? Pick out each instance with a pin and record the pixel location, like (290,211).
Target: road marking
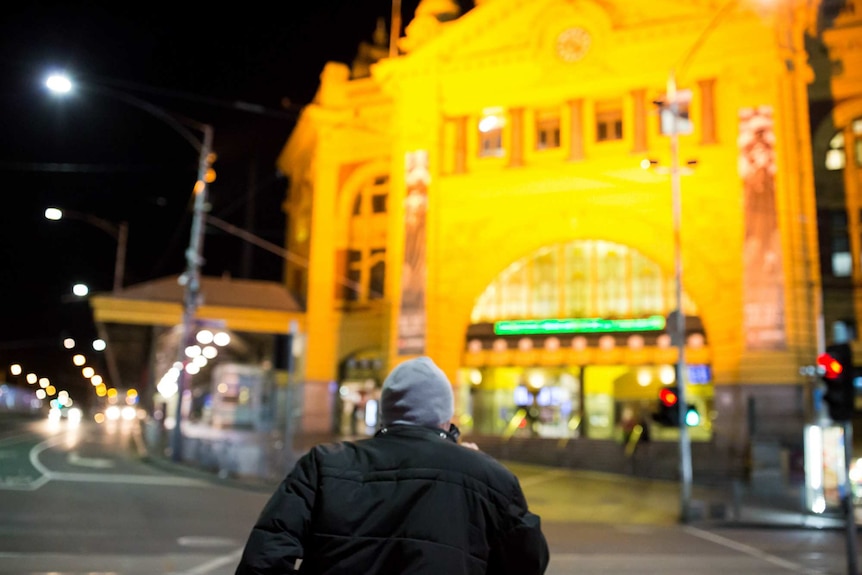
(751,551)
(95,462)
(205,541)
(48,475)
(125,478)
(33,485)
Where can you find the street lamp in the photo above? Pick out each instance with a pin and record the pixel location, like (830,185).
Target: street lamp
(190,279)
(120,232)
(673,101)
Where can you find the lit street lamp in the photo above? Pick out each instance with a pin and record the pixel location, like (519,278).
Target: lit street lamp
(673,107)
(191,277)
(120,232)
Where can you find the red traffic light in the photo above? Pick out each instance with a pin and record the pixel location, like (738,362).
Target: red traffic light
(668,397)
(832,367)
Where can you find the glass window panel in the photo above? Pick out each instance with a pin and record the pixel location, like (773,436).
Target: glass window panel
(378,203)
(842,264)
(547,129)
(609,120)
(597,279)
(835,160)
(646,288)
(578,289)
(377,281)
(491,132)
(545,285)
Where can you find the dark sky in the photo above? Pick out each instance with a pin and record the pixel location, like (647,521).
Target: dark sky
(97,155)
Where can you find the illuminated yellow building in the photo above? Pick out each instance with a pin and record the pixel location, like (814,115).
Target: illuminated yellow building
(498,195)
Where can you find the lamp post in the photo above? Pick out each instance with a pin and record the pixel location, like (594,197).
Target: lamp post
(673,102)
(120,233)
(190,279)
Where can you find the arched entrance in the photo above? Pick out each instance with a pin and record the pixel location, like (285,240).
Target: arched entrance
(573,341)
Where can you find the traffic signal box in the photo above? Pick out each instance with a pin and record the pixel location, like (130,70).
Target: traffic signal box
(837,372)
(667,413)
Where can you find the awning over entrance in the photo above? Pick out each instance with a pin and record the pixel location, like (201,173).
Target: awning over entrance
(243,305)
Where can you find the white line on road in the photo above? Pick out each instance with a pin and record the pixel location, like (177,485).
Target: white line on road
(125,478)
(95,462)
(47,475)
(751,551)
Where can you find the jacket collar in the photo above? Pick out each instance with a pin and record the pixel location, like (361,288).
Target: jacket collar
(407,430)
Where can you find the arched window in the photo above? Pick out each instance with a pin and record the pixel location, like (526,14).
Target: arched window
(586,278)
(836,155)
(363,261)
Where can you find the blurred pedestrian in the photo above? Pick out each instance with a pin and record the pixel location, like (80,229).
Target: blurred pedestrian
(408,500)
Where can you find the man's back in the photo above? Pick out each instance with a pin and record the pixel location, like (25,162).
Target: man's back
(407,501)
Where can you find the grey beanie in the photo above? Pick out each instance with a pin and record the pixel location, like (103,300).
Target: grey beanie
(417,392)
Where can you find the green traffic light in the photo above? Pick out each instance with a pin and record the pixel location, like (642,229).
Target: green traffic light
(692,417)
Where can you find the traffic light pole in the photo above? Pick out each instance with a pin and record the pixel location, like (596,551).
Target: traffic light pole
(685,469)
(838,372)
(850,514)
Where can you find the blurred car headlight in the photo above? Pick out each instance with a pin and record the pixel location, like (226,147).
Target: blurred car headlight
(112,413)
(129,413)
(74,415)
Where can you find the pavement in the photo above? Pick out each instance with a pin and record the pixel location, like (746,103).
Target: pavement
(579,496)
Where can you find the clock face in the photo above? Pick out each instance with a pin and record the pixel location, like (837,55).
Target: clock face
(572,44)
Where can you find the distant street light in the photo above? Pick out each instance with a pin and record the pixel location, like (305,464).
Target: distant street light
(80,290)
(190,280)
(120,232)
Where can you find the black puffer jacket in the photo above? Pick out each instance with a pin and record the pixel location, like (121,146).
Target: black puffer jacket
(408,501)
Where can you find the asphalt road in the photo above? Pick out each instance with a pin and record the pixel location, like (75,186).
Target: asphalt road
(79,500)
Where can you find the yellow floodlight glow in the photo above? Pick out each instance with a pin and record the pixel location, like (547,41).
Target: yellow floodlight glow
(15,369)
(79,360)
(88,372)
(31,378)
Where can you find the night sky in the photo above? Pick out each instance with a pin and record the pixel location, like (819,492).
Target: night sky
(97,155)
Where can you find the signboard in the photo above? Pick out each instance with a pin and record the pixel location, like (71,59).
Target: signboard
(763,273)
(411,318)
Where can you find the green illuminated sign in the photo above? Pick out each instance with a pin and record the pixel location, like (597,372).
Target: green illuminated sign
(578,325)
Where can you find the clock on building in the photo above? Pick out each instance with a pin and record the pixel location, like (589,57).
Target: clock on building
(573,44)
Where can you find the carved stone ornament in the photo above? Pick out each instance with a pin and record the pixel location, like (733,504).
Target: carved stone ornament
(573,44)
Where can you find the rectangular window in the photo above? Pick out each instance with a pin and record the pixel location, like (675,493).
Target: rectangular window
(547,129)
(378,273)
(354,275)
(491,133)
(609,121)
(378,203)
(835,257)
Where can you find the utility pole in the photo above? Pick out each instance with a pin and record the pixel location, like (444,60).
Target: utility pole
(191,280)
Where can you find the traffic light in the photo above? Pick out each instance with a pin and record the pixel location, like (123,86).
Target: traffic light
(837,372)
(668,409)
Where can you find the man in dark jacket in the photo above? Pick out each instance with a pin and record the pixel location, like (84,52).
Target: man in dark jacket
(410,500)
